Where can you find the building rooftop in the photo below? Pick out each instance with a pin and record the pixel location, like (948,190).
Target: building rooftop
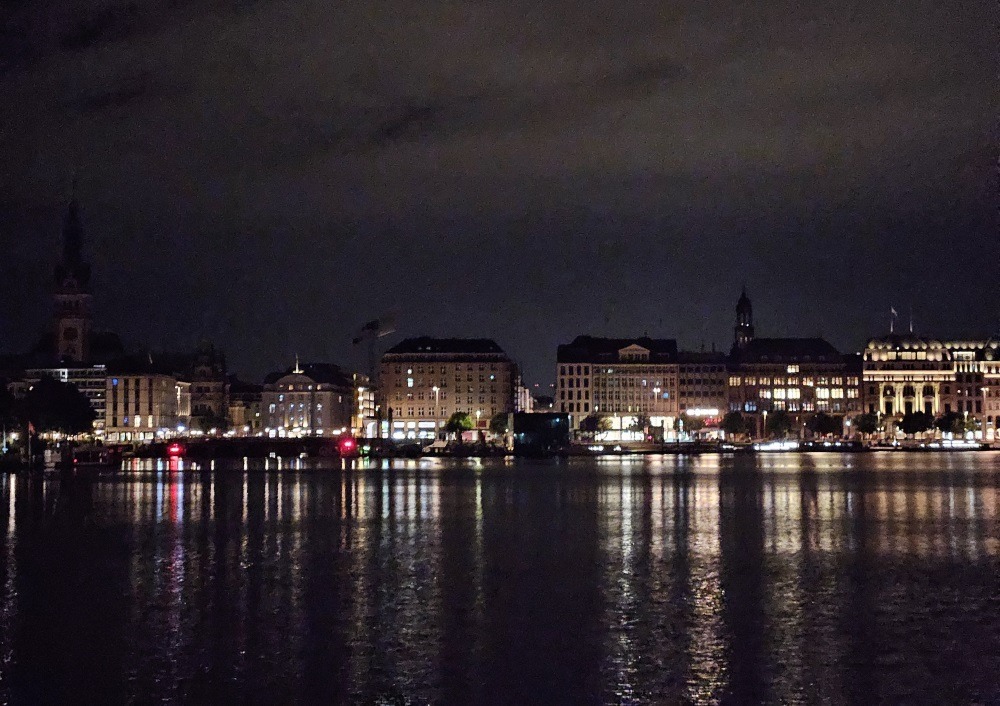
(701,357)
(776,350)
(323,373)
(446,346)
(592,349)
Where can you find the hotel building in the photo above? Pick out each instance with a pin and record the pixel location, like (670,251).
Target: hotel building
(909,373)
(423,381)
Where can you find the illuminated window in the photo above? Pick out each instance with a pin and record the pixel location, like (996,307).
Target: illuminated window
(794,393)
(792,369)
(409,382)
(822,393)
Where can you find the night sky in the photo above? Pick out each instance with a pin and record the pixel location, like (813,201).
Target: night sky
(271,175)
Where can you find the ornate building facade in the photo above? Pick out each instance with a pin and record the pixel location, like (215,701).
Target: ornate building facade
(316,399)
(907,373)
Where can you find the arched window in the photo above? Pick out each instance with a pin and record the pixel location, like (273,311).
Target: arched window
(928,390)
(889,392)
(908,391)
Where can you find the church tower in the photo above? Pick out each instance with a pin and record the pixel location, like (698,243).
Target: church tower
(744,321)
(73,316)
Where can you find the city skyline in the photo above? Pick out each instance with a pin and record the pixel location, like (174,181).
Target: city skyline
(901,320)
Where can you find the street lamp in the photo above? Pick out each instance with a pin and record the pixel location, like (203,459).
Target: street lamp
(663,424)
(437,404)
(982,416)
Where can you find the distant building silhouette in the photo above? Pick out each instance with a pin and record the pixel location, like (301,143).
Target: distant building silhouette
(73,314)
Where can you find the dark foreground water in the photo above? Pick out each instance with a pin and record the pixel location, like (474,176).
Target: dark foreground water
(779,579)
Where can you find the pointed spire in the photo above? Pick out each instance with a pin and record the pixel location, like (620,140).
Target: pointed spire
(71,265)
(298,369)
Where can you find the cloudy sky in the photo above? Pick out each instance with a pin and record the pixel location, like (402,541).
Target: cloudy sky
(272,174)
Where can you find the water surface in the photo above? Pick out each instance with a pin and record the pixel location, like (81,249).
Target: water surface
(821,578)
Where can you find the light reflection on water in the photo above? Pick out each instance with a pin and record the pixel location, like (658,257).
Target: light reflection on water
(783,578)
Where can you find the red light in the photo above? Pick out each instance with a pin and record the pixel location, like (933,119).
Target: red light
(175,450)
(346,445)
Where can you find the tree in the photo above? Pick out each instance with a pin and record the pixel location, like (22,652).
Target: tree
(866,423)
(498,423)
(778,424)
(915,422)
(458,423)
(8,406)
(688,424)
(209,420)
(594,423)
(640,423)
(950,422)
(734,424)
(823,424)
(51,405)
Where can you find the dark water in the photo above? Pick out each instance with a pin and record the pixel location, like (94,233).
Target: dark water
(780,579)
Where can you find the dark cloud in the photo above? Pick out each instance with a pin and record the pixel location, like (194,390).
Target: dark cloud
(271,174)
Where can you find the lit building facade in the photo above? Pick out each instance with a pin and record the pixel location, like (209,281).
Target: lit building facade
(621,379)
(909,373)
(365,410)
(424,381)
(702,385)
(141,406)
(309,400)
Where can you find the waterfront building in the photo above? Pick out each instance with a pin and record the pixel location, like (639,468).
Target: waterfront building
(525,402)
(365,420)
(317,399)
(702,386)
(142,403)
(906,373)
(90,380)
(424,381)
(629,381)
(797,376)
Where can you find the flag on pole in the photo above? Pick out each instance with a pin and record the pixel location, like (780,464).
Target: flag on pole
(893,311)
(31,428)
